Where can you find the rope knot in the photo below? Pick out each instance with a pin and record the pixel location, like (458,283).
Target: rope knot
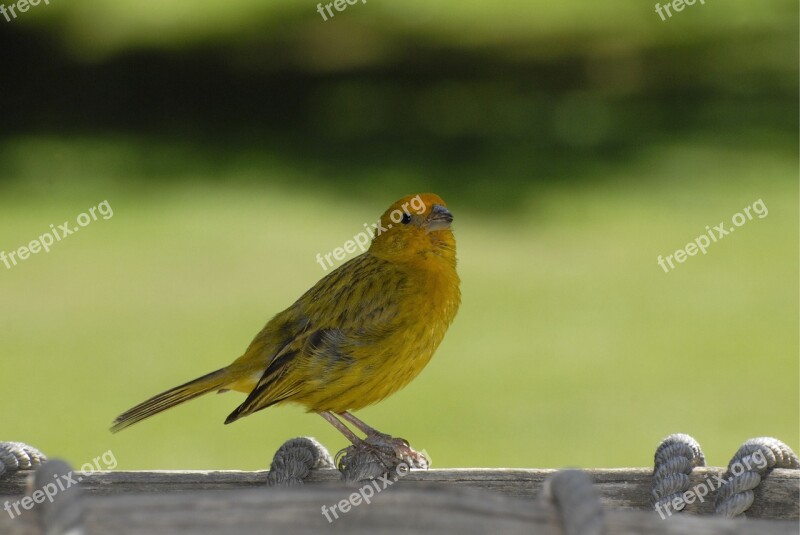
(675,458)
(295,459)
(752,462)
(19,456)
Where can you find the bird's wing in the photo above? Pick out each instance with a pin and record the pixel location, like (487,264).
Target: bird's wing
(346,310)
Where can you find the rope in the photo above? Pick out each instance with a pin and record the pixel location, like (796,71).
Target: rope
(16,456)
(754,460)
(573,495)
(675,458)
(360,464)
(571,491)
(295,459)
(62,513)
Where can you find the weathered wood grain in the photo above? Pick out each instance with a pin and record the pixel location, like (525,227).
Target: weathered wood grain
(444,501)
(408,509)
(778,496)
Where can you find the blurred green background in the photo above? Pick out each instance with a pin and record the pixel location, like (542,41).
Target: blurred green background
(574,142)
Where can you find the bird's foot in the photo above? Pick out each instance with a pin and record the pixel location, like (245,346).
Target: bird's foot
(397,448)
(379,454)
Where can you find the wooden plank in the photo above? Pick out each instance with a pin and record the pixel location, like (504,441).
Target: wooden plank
(148,501)
(399,509)
(778,496)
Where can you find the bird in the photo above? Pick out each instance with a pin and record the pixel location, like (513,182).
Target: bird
(361,333)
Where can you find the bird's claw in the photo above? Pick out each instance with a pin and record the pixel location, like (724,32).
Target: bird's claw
(403,451)
(387,452)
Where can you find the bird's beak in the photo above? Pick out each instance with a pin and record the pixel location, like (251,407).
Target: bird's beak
(439,219)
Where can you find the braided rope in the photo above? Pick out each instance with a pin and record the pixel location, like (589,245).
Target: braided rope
(16,456)
(295,459)
(753,461)
(675,458)
(358,464)
(572,493)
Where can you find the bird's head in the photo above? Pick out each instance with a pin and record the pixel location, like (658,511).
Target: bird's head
(414,228)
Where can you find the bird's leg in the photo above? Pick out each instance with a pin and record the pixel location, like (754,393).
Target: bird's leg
(343,429)
(399,447)
(388,450)
(364,428)
(359,445)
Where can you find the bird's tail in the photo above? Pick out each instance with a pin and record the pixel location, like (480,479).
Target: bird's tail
(174,396)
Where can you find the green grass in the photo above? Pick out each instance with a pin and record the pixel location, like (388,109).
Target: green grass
(572,347)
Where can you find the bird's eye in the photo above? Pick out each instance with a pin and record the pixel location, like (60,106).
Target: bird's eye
(406,218)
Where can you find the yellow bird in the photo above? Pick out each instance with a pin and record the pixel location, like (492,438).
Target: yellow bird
(361,333)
